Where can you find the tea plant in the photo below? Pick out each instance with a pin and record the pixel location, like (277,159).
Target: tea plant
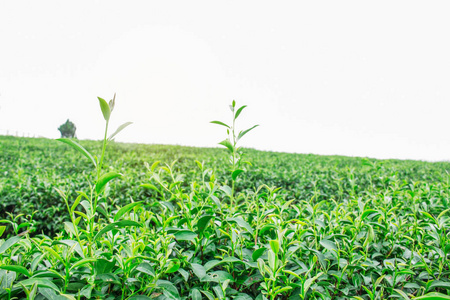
(166,222)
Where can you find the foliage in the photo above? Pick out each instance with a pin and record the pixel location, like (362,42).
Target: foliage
(289,227)
(67,129)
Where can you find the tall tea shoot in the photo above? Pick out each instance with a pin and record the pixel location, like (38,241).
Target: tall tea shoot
(230,143)
(90,202)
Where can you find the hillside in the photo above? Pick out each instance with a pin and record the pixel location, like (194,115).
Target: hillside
(288,226)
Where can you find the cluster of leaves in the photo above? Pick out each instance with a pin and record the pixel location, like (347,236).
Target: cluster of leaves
(291,227)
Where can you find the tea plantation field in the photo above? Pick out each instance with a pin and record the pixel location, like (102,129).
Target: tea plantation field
(172,222)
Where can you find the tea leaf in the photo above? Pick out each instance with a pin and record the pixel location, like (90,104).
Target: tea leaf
(227,144)
(275,246)
(203,222)
(185,235)
(198,270)
(238,112)
(8,243)
(236,173)
(126,209)
(121,127)
(242,133)
(100,185)
(40,282)
(220,123)
(17,269)
(242,223)
(433,296)
(82,262)
(174,265)
(115,225)
(169,289)
(106,111)
(79,148)
(329,245)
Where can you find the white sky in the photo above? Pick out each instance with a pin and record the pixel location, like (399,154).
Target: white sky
(326,77)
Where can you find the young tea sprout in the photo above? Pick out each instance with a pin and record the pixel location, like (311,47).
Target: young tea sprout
(230,143)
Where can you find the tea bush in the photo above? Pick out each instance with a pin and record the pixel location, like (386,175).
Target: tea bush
(170,222)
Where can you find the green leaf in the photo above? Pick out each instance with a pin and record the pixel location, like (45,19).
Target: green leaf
(2,229)
(87,291)
(112,103)
(367,212)
(17,269)
(198,270)
(282,290)
(238,112)
(185,235)
(218,276)
(150,186)
(440,284)
(275,246)
(226,189)
(258,253)
(139,297)
(208,295)
(71,244)
(146,268)
(169,289)
(100,185)
(195,294)
(54,254)
(126,209)
(75,204)
(220,123)
(184,273)
(433,296)
(236,173)
(10,242)
(229,259)
(82,262)
(242,223)
(402,293)
(242,133)
(272,258)
(115,225)
(121,127)
(40,283)
(203,222)
(79,148)
(406,271)
(309,282)
(103,266)
(173,265)
(227,144)
(329,245)
(242,296)
(106,111)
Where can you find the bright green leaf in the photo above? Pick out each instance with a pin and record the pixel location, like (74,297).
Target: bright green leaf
(79,148)
(126,209)
(121,127)
(106,111)
(100,185)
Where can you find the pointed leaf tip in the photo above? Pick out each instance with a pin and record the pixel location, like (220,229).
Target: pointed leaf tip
(220,123)
(106,111)
(79,148)
(238,112)
(121,127)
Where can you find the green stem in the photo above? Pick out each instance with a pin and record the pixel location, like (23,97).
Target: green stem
(99,166)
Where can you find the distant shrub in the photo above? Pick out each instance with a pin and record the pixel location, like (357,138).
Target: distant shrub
(67,129)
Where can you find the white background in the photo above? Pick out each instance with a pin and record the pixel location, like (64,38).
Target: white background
(353,78)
